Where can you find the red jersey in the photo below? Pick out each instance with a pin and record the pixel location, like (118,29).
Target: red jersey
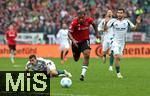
(11,36)
(80,32)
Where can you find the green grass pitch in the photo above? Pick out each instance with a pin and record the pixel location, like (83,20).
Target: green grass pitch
(99,81)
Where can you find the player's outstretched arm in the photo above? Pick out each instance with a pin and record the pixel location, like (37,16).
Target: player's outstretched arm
(105,24)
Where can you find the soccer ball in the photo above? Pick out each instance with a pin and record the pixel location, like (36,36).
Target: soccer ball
(66,82)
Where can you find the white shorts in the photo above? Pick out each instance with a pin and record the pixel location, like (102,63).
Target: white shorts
(64,45)
(106,44)
(51,66)
(118,47)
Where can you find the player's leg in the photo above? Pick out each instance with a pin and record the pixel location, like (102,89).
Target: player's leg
(53,72)
(86,54)
(105,47)
(56,73)
(85,48)
(62,47)
(12,49)
(117,65)
(117,57)
(76,52)
(111,60)
(61,56)
(66,53)
(67,46)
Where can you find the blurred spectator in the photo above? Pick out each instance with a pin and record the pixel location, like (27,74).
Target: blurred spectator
(48,15)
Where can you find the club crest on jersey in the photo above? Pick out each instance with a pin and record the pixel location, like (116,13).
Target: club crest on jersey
(124,24)
(116,25)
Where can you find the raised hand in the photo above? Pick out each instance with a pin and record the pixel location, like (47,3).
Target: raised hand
(138,20)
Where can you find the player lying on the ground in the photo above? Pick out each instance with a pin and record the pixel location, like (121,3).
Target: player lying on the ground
(45,66)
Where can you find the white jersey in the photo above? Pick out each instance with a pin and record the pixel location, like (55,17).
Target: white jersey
(109,34)
(107,37)
(62,35)
(120,28)
(41,65)
(63,39)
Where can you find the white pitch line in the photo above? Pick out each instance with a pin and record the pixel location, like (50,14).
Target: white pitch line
(16,66)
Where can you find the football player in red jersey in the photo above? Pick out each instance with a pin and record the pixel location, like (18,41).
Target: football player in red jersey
(11,35)
(79,35)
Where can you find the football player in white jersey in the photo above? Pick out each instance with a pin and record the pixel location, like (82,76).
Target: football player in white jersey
(107,38)
(44,65)
(63,40)
(120,28)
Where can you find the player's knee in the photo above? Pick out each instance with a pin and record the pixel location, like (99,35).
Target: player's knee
(87,53)
(117,57)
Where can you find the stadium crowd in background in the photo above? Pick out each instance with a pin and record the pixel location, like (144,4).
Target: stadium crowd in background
(48,15)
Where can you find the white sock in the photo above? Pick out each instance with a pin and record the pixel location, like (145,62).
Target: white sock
(12,57)
(84,69)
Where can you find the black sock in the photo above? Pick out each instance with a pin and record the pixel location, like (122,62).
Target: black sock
(118,69)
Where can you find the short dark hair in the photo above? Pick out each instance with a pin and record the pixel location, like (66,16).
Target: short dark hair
(80,12)
(103,15)
(32,56)
(121,9)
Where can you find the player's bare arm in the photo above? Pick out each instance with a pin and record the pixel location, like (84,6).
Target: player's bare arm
(105,24)
(138,22)
(136,26)
(72,39)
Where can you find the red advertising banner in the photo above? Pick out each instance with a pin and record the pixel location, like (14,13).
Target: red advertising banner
(23,51)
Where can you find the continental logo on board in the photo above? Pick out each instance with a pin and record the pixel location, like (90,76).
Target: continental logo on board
(137,51)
